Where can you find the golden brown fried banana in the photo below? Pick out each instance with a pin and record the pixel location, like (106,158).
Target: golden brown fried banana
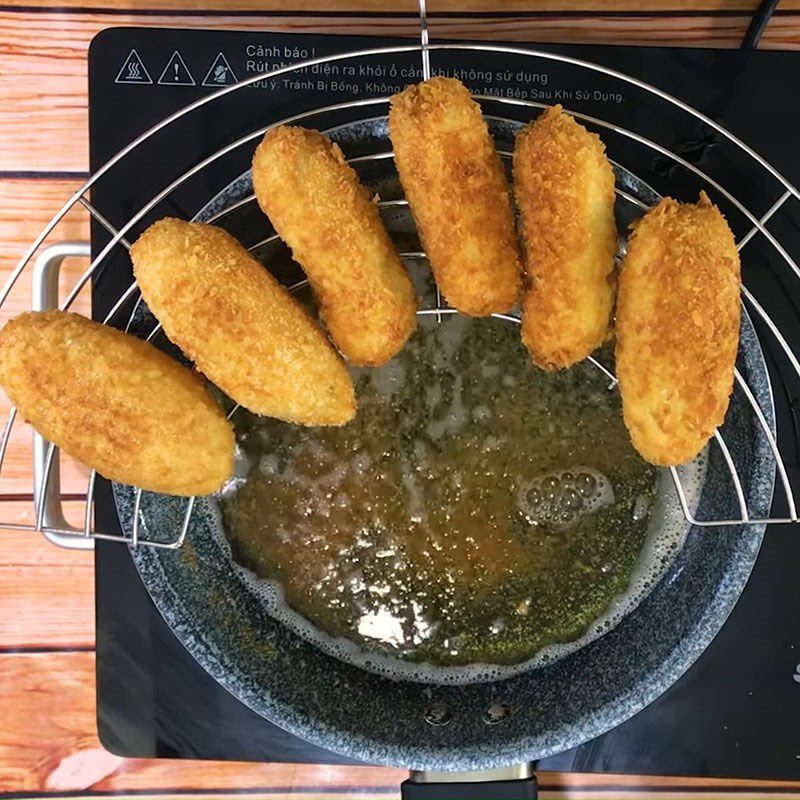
(677,329)
(239,325)
(564,187)
(115,403)
(318,207)
(458,193)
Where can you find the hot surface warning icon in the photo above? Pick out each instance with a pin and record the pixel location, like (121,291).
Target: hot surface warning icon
(133,70)
(219,73)
(176,73)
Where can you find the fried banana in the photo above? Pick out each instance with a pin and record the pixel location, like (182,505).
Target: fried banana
(564,186)
(677,329)
(318,207)
(239,325)
(115,403)
(458,194)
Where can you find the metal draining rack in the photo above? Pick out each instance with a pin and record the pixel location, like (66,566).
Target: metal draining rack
(47,502)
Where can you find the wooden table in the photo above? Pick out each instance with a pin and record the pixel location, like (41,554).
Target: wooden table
(48,742)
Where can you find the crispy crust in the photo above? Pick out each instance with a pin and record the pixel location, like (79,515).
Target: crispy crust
(564,187)
(677,329)
(239,325)
(318,207)
(458,193)
(115,403)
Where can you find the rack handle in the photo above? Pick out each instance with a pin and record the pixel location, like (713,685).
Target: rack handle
(56,529)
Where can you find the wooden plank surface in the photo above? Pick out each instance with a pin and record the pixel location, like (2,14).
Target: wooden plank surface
(47,594)
(48,743)
(26,205)
(410,6)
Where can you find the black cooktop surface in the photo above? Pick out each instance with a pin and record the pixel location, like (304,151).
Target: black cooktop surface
(735,712)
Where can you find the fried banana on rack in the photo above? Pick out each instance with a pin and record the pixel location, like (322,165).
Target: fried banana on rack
(318,207)
(677,329)
(239,325)
(457,190)
(115,403)
(564,187)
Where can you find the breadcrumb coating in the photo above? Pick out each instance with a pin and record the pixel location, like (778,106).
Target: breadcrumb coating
(457,190)
(239,325)
(564,186)
(678,312)
(115,403)
(329,220)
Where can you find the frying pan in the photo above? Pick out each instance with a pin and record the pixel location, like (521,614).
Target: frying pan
(215,613)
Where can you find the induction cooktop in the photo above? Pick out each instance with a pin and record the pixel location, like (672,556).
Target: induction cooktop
(735,712)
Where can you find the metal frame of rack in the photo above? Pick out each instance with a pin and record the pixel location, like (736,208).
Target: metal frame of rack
(48,512)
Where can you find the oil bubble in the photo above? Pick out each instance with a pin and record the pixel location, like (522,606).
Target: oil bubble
(586,484)
(554,498)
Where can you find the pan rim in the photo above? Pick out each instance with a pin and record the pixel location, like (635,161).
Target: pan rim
(425,756)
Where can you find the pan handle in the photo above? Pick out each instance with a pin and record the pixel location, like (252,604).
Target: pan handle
(45,296)
(517,782)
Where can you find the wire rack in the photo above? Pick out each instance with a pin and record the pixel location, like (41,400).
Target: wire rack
(43,260)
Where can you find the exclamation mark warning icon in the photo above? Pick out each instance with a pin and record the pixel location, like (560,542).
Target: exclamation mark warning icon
(176,73)
(133,70)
